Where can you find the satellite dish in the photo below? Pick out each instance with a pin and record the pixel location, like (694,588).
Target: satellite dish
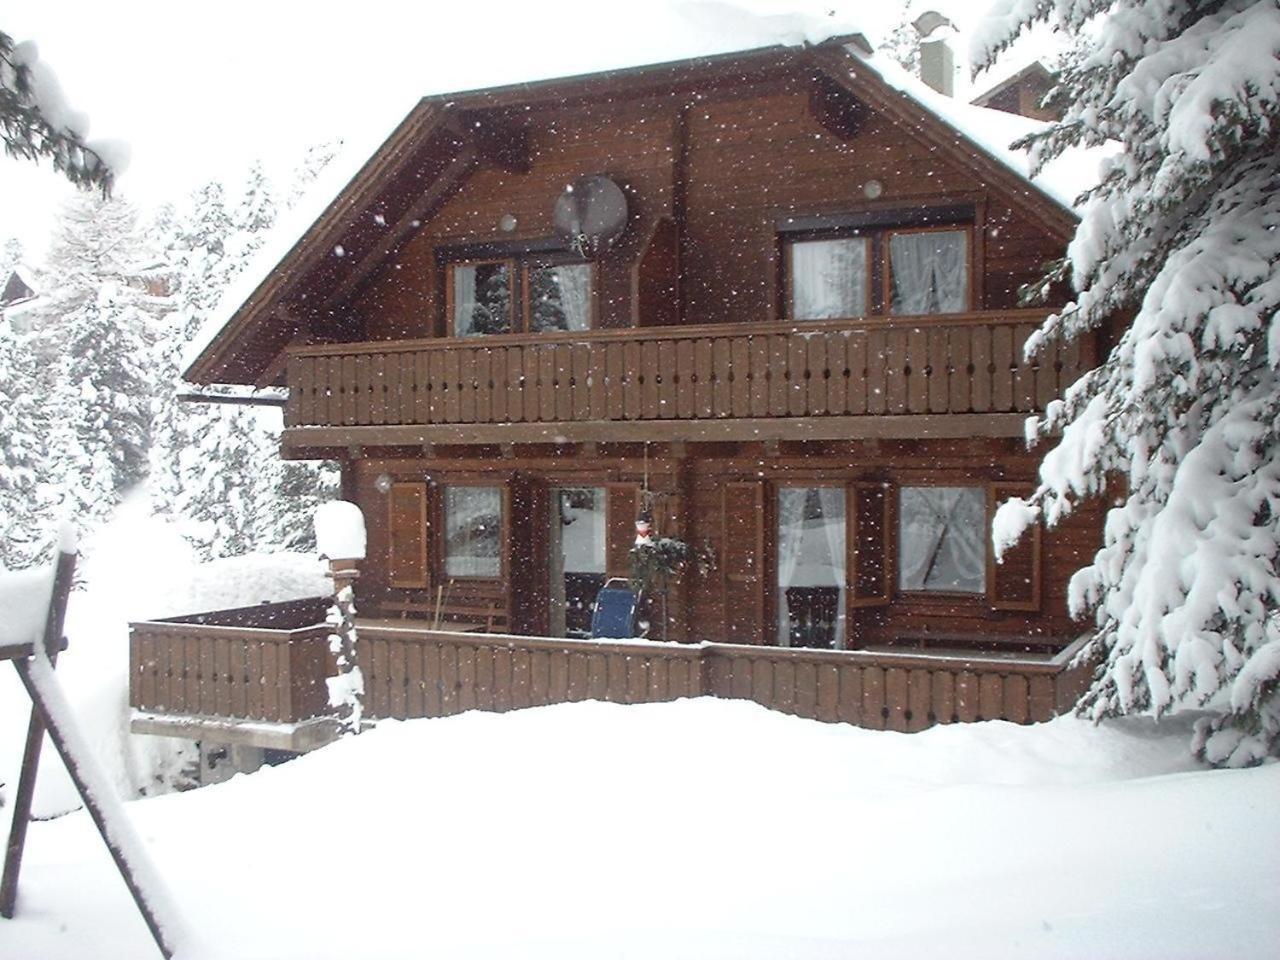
(591,213)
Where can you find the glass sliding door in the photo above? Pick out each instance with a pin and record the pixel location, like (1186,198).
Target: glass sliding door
(576,558)
(811,567)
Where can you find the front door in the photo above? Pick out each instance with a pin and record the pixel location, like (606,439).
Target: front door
(576,558)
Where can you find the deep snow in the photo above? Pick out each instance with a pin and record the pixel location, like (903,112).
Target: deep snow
(701,828)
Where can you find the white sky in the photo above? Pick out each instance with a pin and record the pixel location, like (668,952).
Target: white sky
(201,90)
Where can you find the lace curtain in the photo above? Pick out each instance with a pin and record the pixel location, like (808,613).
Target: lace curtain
(942,537)
(481,298)
(472,530)
(829,279)
(811,552)
(930,272)
(464,300)
(574,281)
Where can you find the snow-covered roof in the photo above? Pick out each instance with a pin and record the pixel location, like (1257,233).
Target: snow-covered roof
(735,32)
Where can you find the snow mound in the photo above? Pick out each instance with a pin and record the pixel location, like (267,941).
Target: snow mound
(701,828)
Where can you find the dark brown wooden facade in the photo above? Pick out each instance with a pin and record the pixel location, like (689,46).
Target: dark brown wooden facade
(691,378)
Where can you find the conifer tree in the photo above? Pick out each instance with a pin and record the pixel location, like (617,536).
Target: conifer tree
(94,330)
(1179,246)
(35,124)
(22,427)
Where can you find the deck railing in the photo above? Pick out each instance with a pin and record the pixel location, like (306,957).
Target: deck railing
(218,671)
(265,663)
(953,364)
(417,673)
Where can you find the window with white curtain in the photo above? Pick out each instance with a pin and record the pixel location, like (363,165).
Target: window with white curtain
(811,567)
(473,532)
(829,278)
(928,272)
(942,539)
(520,295)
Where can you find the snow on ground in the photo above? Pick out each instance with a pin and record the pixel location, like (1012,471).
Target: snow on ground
(701,828)
(136,568)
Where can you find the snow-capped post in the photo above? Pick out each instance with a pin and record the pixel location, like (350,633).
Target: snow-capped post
(340,538)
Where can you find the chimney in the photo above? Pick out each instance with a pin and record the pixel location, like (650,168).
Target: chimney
(937,62)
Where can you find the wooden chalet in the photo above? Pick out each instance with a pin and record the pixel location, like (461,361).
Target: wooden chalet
(804,351)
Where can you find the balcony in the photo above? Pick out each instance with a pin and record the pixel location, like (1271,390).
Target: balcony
(948,376)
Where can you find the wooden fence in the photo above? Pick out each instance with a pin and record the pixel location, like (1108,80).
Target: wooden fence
(958,364)
(277,674)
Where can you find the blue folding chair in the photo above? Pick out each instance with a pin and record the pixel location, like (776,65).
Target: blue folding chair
(615,614)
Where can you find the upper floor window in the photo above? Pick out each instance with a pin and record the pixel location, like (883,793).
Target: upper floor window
(519,295)
(883,270)
(830,279)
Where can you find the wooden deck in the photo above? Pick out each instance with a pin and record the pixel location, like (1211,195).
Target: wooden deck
(189,672)
(968,367)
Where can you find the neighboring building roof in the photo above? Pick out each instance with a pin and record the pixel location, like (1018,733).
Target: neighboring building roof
(1015,94)
(348,209)
(17,287)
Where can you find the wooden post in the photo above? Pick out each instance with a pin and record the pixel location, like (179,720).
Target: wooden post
(346,690)
(52,642)
(110,830)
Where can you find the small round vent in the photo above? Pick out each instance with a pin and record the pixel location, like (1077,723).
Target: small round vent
(591,213)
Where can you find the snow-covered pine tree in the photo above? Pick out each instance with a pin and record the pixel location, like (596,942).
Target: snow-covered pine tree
(10,257)
(95,329)
(207,457)
(1183,415)
(23,429)
(217,467)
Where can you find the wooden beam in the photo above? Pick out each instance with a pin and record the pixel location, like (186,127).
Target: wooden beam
(52,642)
(436,193)
(909,427)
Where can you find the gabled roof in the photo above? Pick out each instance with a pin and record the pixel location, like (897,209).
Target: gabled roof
(1034,72)
(17,286)
(444,137)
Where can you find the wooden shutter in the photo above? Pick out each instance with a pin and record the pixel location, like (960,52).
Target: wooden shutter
(407,535)
(622,502)
(742,561)
(1014,582)
(871,544)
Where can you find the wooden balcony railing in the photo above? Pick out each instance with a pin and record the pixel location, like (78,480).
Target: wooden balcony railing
(219,672)
(265,663)
(954,364)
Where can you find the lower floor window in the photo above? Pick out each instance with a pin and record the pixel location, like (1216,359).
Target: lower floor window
(942,539)
(811,567)
(473,532)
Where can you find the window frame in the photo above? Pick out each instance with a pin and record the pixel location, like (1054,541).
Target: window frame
(879,281)
(518,266)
